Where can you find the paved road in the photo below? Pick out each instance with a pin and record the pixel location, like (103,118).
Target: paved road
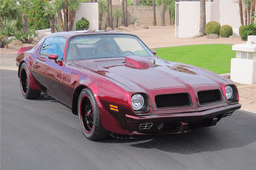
(43,134)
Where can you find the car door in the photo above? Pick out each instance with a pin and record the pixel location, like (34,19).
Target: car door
(50,70)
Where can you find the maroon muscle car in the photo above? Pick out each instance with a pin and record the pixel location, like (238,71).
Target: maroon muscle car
(115,83)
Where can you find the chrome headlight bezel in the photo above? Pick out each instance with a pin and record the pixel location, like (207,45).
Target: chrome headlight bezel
(231,89)
(229,92)
(145,107)
(137,102)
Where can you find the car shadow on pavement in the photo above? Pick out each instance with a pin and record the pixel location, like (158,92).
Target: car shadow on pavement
(231,132)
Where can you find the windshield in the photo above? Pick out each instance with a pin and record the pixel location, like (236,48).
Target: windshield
(105,46)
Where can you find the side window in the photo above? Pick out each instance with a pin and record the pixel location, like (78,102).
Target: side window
(53,45)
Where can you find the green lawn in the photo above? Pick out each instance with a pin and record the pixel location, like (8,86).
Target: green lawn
(213,57)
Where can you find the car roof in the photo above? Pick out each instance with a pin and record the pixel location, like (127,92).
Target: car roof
(69,34)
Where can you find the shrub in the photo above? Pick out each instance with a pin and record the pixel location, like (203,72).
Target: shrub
(226,31)
(36,17)
(82,24)
(212,27)
(241,30)
(249,30)
(10,11)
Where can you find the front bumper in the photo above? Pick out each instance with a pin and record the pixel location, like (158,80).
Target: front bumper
(177,122)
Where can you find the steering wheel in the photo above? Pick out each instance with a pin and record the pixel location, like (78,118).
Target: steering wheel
(127,53)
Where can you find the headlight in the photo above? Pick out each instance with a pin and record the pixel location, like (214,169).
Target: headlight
(229,92)
(137,101)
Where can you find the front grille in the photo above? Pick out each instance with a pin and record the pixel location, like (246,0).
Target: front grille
(173,100)
(209,96)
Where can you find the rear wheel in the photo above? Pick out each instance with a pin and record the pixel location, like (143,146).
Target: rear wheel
(26,90)
(89,116)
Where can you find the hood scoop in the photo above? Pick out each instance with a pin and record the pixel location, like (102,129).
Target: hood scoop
(139,62)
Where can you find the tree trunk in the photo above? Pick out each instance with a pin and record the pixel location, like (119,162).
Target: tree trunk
(52,24)
(253,10)
(60,19)
(202,17)
(163,14)
(24,22)
(241,12)
(101,16)
(154,12)
(249,12)
(111,15)
(126,12)
(72,20)
(123,12)
(117,22)
(170,14)
(0,23)
(245,16)
(65,11)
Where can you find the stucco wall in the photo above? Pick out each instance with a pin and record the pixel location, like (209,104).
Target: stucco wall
(226,12)
(90,12)
(189,17)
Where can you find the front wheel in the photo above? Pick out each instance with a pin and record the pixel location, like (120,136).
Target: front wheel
(26,90)
(89,116)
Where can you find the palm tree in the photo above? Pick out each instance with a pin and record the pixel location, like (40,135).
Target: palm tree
(202,17)
(24,6)
(241,12)
(59,4)
(245,11)
(103,7)
(117,14)
(50,10)
(110,14)
(163,14)
(126,13)
(154,12)
(65,12)
(249,11)
(73,5)
(253,10)
(123,12)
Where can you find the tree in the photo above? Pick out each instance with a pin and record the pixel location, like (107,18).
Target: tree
(163,13)
(253,11)
(154,12)
(73,5)
(202,17)
(59,4)
(126,13)
(117,15)
(123,12)
(241,12)
(170,7)
(249,11)
(65,12)
(110,14)
(245,11)
(24,6)
(103,7)
(50,10)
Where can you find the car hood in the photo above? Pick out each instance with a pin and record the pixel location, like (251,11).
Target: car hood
(152,73)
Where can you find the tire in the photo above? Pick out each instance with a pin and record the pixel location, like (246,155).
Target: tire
(89,116)
(26,91)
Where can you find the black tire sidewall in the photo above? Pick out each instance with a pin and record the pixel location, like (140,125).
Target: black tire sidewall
(96,115)
(24,66)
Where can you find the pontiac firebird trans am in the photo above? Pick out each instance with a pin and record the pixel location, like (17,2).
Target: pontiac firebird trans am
(114,83)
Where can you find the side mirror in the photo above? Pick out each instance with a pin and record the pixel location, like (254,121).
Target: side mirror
(154,52)
(53,57)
